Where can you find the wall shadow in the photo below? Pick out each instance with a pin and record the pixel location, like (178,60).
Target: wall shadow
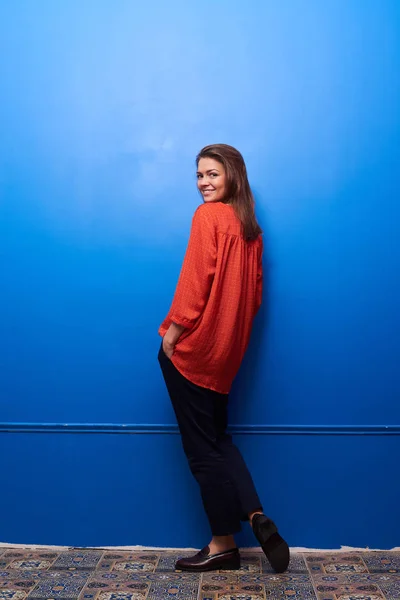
(244,392)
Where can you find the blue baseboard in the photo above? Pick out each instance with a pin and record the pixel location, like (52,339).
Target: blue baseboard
(156,428)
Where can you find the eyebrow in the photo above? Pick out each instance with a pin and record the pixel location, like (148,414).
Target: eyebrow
(209,171)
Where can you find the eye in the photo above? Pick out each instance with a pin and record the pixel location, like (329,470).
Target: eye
(199,175)
(214,175)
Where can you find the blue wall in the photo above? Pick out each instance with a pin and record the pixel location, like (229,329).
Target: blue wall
(104,106)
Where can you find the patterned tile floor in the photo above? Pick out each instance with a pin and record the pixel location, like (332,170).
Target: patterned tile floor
(95,574)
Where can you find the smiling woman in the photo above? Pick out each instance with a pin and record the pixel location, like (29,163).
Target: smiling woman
(222,177)
(211,180)
(205,337)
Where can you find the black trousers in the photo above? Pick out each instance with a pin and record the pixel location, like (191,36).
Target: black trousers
(226,486)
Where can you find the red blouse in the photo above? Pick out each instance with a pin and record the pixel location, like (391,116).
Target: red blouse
(218,294)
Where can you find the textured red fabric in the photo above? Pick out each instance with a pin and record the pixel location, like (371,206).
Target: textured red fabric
(218,294)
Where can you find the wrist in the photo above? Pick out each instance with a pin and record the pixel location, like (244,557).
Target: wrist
(173,334)
(168,341)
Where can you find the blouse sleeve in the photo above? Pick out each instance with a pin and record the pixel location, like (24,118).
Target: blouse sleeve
(197,273)
(259,283)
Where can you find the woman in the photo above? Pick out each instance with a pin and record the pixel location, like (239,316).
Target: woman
(205,336)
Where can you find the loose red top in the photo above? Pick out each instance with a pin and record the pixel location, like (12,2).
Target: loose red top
(218,294)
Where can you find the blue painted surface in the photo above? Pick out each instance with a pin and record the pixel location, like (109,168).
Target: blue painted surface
(103,109)
(113,489)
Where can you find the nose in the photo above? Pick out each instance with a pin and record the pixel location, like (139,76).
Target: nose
(205,182)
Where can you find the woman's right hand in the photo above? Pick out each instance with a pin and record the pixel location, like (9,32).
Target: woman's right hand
(170,339)
(168,348)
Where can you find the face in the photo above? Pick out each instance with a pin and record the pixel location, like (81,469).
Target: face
(211,180)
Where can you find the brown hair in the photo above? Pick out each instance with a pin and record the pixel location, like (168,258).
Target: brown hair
(238,192)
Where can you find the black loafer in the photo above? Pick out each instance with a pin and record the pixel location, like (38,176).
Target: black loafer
(274,546)
(204,561)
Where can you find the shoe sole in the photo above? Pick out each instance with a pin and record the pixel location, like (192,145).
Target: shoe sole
(274,546)
(233,567)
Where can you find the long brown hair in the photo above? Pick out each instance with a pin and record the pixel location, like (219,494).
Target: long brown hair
(238,192)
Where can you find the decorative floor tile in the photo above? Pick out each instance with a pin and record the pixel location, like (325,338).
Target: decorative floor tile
(58,588)
(121,595)
(94,574)
(15,589)
(111,589)
(136,562)
(250,563)
(274,578)
(377,578)
(224,587)
(348,591)
(391,590)
(218,586)
(181,589)
(382,562)
(30,564)
(174,577)
(107,578)
(388,583)
(78,559)
(12,574)
(335,563)
(236,594)
(24,585)
(9,594)
(26,559)
(302,592)
(10,555)
(140,585)
(62,575)
(128,561)
(167,561)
